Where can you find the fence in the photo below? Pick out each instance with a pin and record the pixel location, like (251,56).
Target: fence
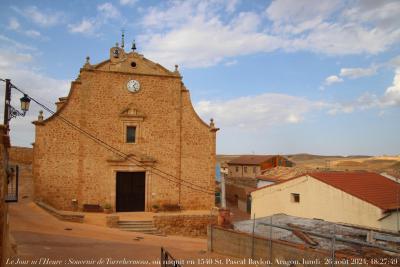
(292,246)
(12,184)
(167,260)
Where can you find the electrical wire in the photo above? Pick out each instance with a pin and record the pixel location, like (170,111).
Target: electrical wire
(121,154)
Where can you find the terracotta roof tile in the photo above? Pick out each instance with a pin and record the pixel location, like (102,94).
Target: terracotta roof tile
(370,187)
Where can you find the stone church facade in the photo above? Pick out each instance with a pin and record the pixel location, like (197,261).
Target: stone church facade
(158,150)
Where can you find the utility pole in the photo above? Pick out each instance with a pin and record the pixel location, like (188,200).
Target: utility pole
(223,196)
(7,99)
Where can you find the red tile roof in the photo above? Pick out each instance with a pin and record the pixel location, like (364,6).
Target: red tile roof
(250,159)
(370,187)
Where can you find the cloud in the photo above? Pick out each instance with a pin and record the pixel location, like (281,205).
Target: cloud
(357,72)
(264,110)
(231,5)
(193,35)
(85,26)
(9,59)
(257,112)
(107,10)
(384,14)
(231,63)
(336,27)
(127,2)
(202,33)
(392,93)
(296,16)
(32,33)
(340,108)
(13,24)
(333,79)
(42,17)
(90,26)
(12,43)
(394,62)
(390,98)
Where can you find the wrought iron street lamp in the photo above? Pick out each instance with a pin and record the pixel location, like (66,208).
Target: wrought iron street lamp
(11,112)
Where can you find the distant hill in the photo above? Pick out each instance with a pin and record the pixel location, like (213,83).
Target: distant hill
(306,161)
(295,157)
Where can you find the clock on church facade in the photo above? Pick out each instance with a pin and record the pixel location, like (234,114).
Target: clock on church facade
(138,141)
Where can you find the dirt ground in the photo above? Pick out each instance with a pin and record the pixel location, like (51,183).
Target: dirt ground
(42,239)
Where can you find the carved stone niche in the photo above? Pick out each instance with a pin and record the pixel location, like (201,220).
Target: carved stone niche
(131,112)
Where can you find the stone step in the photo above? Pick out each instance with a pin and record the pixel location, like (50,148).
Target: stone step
(135,222)
(145,227)
(144,231)
(136,226)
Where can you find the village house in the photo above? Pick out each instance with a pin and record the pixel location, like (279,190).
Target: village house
(253,165)
(138,143)
(243,174)
(357,198)
(278,174)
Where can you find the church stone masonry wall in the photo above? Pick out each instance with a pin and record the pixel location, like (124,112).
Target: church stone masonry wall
(198,157)
(55,167)
(68,165)
(158,136)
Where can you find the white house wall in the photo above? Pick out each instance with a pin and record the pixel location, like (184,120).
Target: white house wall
(317,200)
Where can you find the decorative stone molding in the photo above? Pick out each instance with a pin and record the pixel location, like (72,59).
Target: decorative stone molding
(132,113)
(132,159)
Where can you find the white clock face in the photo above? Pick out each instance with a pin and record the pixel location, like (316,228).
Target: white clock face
(133,86)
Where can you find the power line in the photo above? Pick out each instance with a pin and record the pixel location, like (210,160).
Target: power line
(118,152)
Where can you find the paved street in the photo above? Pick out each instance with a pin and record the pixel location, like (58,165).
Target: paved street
(43,238)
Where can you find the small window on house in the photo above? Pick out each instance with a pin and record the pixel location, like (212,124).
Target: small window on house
(131,134)
(237,169)
(254,169)
(245,169)
(295,197)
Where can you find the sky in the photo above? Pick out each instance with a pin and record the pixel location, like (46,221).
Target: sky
(278,77)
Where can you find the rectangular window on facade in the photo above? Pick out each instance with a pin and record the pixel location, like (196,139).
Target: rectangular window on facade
(237,169)
(295,197)
(245,169)
(131,134)
(254,169)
